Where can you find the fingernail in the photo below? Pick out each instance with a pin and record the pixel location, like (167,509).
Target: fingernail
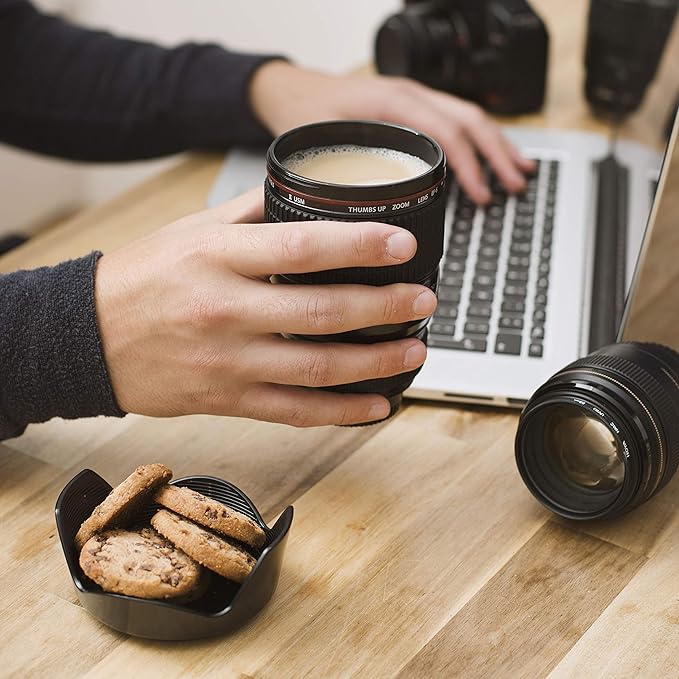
(379,411)
(424,303)
(484,194)
(415,356)
(401,245)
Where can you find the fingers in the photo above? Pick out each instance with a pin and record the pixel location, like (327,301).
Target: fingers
(301,407)
(458,149)
(324,364)
(490,141)
(462,129)
(527,165)
(332,309)
(260,250)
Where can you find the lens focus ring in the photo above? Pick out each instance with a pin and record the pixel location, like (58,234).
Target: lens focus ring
(418,222)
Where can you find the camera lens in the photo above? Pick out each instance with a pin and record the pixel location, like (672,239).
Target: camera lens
(625,41)
(416,204)
(602,435)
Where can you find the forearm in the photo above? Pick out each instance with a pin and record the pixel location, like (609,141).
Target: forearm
(88,95)
(51,360)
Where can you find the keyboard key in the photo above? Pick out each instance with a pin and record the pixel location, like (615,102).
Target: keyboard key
(466,344)
(484,280)
(511,322)
(438,328)
(519,261)
(538,332)
(535,349)
(492,224)
(515,290)
(520,248)
(478,310)
(445,312)
(457,252)
(513,305)
(541,300)
(539,316)
(486,265)
(476,328)
(454,265)
(489,251)
(523,222)
(482,295)
(517,275)
(491,238)
(459,239)
(464,211)
(506,343)
(462,225)
(543,268)
(542,283)
(452,279)
(447,294)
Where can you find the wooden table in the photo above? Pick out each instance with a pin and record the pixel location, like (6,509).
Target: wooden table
(416,550)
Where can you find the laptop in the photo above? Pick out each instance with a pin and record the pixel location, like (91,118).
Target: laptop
(522,279)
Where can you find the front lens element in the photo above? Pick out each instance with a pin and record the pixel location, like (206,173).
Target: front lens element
(583,450)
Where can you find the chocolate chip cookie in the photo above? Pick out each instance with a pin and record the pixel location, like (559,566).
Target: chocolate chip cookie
(123,500)
(210,513)
(214,552)
(139,563)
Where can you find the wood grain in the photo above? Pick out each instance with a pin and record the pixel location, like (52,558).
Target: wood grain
(528,616)
(415,550)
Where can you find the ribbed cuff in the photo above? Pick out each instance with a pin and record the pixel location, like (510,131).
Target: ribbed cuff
(51,358)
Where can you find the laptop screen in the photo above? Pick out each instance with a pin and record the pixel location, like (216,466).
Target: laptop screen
(652,307)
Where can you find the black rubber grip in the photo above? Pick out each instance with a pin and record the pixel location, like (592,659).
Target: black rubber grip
(424,223)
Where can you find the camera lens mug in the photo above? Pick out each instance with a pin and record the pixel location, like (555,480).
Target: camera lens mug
(416,204)
(601,436)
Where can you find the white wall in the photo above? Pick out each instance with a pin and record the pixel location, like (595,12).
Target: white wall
(333,36)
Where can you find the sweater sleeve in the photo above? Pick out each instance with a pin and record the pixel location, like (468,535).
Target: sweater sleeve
(89,95)
(51,358)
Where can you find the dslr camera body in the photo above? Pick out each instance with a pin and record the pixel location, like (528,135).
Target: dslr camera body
(493,52)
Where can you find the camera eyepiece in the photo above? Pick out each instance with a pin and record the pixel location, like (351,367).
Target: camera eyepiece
(601,436)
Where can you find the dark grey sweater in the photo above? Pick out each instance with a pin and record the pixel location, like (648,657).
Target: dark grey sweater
(87,95)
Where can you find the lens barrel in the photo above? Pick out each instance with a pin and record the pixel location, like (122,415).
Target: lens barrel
(416,204)
(625,42)
(601,436)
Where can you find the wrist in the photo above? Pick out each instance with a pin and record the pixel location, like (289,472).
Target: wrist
(267,92)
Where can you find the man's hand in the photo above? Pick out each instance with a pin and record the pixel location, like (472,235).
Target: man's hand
(285,96)
(190,322)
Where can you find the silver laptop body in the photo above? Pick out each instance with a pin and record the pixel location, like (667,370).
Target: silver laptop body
(492,372)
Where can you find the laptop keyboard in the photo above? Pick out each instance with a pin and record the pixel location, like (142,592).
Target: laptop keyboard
(494,281)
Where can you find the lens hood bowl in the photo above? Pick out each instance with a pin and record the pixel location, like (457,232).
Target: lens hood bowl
(224,607)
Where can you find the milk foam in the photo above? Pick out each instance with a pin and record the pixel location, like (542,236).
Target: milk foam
(355,165)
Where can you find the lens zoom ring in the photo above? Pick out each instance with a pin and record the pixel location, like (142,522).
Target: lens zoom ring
(418,222)
(658,401)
